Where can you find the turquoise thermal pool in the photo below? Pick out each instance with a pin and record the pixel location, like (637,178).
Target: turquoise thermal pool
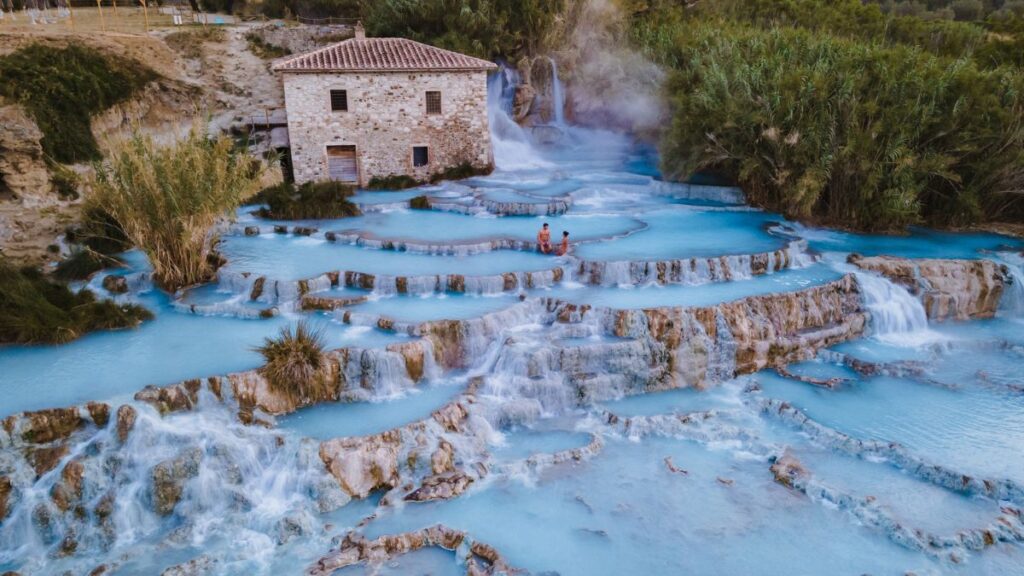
(666,399)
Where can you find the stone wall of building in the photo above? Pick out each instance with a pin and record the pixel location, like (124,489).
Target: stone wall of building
(386,118)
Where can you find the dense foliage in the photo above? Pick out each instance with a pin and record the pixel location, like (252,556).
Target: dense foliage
(62,88)
(168,200)
(35,310)
(312,200)
(850,19)
(484,28)
(820,118)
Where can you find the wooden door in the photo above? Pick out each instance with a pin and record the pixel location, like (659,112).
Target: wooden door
(341,163)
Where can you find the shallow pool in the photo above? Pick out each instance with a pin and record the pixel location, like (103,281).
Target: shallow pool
(338,419)
(690,232)
(288,258)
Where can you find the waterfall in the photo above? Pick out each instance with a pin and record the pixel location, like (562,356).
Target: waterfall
(513,149)
(1012,303)
(198,476)
(558,94)
(897,316)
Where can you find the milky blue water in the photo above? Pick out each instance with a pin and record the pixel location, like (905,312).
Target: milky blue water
(340,419)
(288,258)
(622,510)
(917,243)
(458,228)
(967,427)
(435,307)
(174,346)
(680,401)
(625,513)
(685,233)
(524,442)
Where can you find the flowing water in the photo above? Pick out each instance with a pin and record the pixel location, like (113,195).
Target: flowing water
(584,457)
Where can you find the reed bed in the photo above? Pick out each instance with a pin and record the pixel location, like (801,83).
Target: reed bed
(168,200)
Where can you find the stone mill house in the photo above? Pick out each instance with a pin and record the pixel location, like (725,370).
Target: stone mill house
(378,107)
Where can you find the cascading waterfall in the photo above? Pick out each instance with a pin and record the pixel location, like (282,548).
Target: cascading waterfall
(1012,303)
(896,315)
(512,147)
(197,478)
(558,94)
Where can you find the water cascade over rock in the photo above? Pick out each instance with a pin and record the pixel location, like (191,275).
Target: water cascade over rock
(953,289)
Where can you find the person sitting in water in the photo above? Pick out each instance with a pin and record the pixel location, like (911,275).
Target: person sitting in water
(564,248)
(544,239)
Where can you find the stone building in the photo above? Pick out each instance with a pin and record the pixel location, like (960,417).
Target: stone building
(378,107)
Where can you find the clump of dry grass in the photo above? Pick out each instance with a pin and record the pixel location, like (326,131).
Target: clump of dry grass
(294,363)
(169,199)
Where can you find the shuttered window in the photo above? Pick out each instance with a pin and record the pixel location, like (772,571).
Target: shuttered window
(341,163)
(339,100)
(433,102)
(420,156)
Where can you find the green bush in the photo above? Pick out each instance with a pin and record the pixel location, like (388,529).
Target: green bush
(63,88)
(847,133)
(461,172)
(312,200)
(393,182)
(419,203)
(83,263)
(35,310)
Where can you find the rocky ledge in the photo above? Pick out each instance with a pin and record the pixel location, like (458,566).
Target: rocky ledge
(949,289)
(363,464)
(693,270)
(480,559)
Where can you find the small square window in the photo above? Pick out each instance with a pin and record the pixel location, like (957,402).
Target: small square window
(420,157)
(339,100)
(433,102)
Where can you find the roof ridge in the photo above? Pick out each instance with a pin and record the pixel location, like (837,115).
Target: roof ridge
(380,54)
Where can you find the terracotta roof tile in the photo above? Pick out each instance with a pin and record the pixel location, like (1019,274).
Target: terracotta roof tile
(379,55)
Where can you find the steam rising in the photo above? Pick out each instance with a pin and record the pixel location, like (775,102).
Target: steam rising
(612,85)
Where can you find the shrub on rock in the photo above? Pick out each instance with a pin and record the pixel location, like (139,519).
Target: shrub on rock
(294,362)
(312,200)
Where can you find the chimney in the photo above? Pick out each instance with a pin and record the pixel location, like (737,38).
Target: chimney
(360,31)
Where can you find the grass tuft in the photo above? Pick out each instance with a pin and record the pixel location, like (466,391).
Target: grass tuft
(294,361)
